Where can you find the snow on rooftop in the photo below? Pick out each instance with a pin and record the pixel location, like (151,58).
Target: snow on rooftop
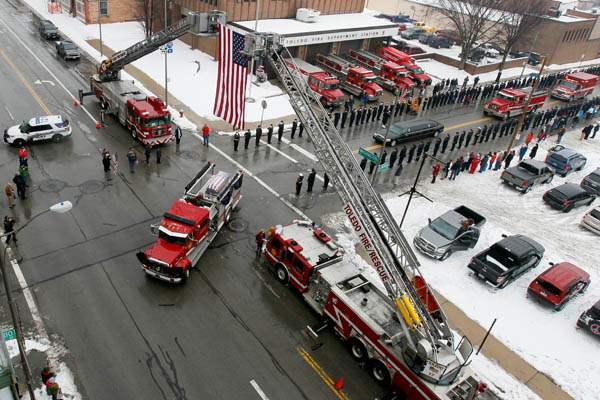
(569,18)
(324,23)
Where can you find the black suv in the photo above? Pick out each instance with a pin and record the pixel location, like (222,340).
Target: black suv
(591,183)
(568,196)
(48,30)
(506,260)
(409,130)
(590,320)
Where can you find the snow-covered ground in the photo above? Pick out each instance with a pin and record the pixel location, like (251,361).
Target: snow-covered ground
(547,339)
(195,89)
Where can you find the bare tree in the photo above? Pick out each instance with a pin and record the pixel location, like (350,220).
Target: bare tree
(523,18)
(472,19)
(151,15)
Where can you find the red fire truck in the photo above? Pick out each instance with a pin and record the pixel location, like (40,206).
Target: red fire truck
(391,76)
(358,309)
(191,224)
(401,58)
(510,102)
(575,86)
(319,81)
(146,117)
(353,79)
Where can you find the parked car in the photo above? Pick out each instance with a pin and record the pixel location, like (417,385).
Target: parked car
(518,54)
(476,54)
(559,284)
(526,174)
(405,131)
(591,182)
(591,220)
(451,35)
(412,50)
(435,41)
(448,233)
(568,196)
(67,50)
(490,50)
(399,19)
(48,30)
(564,160)
(534,59)
(506,260)
(411,33)
(424,37)
(49,127)
(590,320)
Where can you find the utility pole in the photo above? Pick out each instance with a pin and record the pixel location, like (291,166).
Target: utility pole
(536,83)
(100,28)
(166,54)
(17,325)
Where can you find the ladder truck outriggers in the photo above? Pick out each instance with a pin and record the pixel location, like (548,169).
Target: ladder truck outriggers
(191,224)
(147,118)
(354,79)
(390,76)
(400,330)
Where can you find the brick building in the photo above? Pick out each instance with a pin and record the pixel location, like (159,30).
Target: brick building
(109,10)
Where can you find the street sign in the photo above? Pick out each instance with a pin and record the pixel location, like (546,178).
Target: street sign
(9,334)
(169,50)
(263,104)
(368,155)
(169,45)
(383,167)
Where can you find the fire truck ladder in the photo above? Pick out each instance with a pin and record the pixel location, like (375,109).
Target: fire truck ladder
(110,68)
(368,56)
(355,190)
(334,59)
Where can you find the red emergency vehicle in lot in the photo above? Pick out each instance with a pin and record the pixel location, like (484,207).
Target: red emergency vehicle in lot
(401,58)
(358,309)
(353,79)
(146,117)
(191,224)
(510,102)
(575,86)
(391,76)
(319,81)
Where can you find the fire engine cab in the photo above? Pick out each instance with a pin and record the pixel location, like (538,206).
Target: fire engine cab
(191,224)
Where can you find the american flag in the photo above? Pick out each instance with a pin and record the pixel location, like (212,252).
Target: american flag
(231,78)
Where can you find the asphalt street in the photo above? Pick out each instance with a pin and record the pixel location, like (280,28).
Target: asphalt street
(232,326)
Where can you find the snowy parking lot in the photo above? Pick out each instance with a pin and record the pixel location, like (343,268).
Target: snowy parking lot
(546,339)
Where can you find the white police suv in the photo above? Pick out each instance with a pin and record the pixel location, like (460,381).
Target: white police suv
(49,127)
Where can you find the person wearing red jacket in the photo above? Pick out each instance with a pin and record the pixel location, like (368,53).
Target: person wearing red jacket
(435,172)
(474,164)
(205,134)
(22,157)
(529,138)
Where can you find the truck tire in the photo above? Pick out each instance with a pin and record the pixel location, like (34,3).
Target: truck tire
(549,180)
(19,142)
(527,189)
(357,350)
(185,277)
(380,373)
(281,273)
(446,255)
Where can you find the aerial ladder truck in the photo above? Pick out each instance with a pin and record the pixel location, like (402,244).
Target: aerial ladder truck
(421,356)
(146,117)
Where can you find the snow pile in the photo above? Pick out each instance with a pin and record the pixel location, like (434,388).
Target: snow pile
(64,376)
(195,88)
(546,339)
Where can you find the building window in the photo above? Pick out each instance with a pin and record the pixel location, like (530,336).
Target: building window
(564,36)
(103,4)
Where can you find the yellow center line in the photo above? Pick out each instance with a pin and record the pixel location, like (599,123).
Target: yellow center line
(322,374)
(25,83)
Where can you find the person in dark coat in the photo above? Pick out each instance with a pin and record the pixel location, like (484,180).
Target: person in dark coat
(454,142)
(178,134)
(311,180)
(325,181)
(363,163)
(9,226)
(294,127)
(158,154)
(371,167)
(469,137)
(393,157)
(299,181)
(508,159)
(147,152)
(279,131)
(379,111)
(106,160)
(352,117)
(258,135)
(344,118)
(445,143)
(411,153)
(383,158)
(533,151)
(247,136)
(336,119)
(269,133)
(236,141)
(300,129)
(260,240)
(401,155)
(420,148)
(436,146)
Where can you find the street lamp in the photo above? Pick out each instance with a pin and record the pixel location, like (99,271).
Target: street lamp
(59,208)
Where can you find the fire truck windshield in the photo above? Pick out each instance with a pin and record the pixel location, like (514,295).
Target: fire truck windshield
(171,239)
(151,123)
(369,79)
(329,86)
(416,70)
(569,85)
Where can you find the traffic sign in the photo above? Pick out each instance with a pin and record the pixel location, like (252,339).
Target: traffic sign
(9,334)
(169,45)
(169,50)
(368,155)
(383,167)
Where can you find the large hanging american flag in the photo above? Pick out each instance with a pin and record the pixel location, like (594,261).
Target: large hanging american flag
(231,78)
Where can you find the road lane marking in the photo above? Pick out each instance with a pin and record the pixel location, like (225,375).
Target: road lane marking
(322,374)
(9,113)
(279,151)
(258,389)
(25,83)
(47,70)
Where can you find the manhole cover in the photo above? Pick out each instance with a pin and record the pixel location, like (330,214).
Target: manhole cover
(189,155)
(237,225)
(91,187)
(52,186)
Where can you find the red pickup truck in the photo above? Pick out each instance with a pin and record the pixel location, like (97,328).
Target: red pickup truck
(510,102)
